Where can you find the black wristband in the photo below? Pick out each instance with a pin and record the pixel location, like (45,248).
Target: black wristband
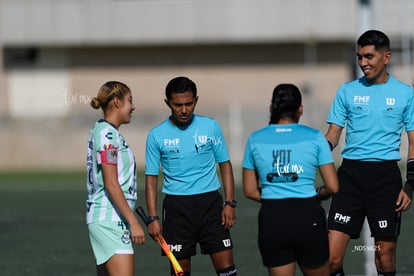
(330,145)
(409,187)
(231,203)
(151,219)
(320,196)
(410,168)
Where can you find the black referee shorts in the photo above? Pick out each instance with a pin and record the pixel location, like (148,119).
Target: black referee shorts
(293,230)
(367,189)
(188,220)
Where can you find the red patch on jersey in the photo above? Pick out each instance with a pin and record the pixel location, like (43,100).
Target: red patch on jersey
(109,155)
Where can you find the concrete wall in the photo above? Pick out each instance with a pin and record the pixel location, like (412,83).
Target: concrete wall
(52,116)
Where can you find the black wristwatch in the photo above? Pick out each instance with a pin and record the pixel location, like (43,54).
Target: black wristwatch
(151,219)
(232,203)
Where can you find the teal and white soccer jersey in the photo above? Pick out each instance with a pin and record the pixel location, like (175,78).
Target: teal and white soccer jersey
(374,116)
(188,155)
(286,158)
(106,145)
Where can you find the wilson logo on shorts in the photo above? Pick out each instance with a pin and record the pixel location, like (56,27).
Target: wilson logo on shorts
(227,242)
(382,223)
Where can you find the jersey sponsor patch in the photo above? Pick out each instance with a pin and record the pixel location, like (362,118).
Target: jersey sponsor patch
(108,156)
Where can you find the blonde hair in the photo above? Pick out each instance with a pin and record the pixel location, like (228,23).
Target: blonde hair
(107,92)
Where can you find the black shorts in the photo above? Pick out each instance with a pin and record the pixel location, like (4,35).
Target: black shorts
(293,230)
(188,220)
(366,189)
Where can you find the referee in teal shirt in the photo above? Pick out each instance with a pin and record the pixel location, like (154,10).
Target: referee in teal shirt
(374,110)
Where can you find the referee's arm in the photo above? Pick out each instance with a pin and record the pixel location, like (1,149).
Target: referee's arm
(228,216)
(405,197)
(151,189)
(333,134)
(250,185)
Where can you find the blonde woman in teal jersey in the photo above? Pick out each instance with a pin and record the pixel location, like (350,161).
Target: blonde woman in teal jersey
(111,184)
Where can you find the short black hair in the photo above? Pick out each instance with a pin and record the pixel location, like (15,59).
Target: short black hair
(180,85)
(375,38)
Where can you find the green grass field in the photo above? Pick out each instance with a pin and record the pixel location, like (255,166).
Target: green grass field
(43,232)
